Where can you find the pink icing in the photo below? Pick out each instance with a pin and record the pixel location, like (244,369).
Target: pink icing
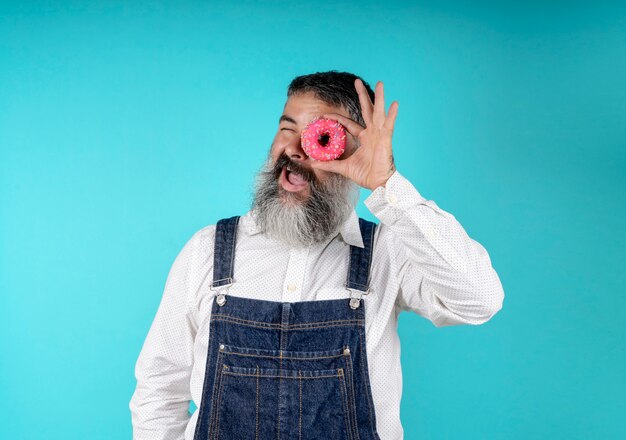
(324,139)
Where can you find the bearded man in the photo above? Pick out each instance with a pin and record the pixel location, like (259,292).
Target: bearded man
(282,323)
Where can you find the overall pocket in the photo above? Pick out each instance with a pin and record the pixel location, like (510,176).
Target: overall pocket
(267,394)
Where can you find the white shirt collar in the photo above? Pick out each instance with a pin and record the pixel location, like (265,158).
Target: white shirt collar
(350,231)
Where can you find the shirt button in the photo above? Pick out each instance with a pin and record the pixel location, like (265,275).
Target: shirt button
(392,199)
(291,287)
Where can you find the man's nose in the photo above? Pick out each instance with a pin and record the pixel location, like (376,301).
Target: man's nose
(294,150)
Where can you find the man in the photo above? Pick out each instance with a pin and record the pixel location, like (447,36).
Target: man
(281,324)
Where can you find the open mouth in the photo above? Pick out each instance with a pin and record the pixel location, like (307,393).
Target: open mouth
(292,181)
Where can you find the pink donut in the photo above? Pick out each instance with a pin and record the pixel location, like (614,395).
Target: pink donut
(323,139)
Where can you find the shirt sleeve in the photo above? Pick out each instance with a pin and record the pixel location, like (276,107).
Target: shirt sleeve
(443,274)
(160,404)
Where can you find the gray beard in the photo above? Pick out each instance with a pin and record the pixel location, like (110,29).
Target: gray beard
(298,221)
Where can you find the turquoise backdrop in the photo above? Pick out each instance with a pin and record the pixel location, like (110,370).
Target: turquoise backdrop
(126,126)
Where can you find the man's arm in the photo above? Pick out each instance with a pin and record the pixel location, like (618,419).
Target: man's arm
(445,276)
(160,403)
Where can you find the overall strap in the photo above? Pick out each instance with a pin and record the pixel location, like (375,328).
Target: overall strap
(224,251)
(360,262)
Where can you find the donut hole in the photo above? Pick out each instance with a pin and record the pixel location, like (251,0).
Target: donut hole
(323,139)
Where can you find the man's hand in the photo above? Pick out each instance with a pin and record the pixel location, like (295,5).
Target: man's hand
(371,164)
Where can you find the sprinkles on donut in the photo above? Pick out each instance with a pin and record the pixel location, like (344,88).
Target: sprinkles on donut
(323,139)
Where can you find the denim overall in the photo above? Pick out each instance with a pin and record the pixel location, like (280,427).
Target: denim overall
(283,371)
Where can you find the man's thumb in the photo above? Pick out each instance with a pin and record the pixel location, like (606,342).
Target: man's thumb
(334,166)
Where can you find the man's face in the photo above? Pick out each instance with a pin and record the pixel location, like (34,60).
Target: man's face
(294,203)
(299,110)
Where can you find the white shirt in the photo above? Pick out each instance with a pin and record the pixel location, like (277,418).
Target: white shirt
(423,261)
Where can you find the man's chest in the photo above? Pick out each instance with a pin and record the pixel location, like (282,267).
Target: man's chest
(266,271)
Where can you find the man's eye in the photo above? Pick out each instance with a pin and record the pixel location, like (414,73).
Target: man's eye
(286,129)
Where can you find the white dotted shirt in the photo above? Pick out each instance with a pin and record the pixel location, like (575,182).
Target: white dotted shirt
(423,261)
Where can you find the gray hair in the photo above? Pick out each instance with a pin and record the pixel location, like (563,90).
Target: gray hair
(286,217)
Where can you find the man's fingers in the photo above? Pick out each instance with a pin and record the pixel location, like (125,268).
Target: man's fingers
(366,102)
(333,166)
(353,127)
(379,104)
(391,116)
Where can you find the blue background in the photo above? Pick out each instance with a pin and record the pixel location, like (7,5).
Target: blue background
(127,126)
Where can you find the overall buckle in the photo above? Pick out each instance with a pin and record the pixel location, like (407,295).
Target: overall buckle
(220,291)
(355,297)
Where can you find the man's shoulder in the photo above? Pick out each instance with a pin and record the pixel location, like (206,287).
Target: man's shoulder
(204,233)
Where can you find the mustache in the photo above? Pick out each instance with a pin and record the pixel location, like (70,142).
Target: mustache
(284,161)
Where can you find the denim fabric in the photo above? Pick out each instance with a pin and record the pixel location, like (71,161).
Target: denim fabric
(360,258)
(224,253)
(287,370)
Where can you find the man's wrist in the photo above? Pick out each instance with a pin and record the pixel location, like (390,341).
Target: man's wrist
(383,183)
